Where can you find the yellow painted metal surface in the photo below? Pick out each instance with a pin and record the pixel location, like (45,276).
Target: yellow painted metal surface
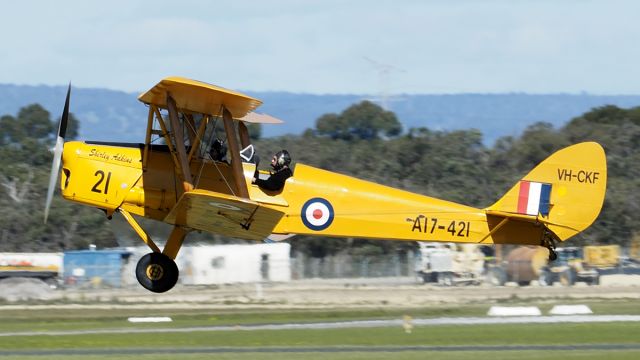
(323,203)
(329,204)
(578,178)
(199,97)
(223,214)
(99,175)
(315,201)
(110,177)
(174,243)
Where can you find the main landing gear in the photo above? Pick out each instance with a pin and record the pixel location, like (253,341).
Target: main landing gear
(157,272)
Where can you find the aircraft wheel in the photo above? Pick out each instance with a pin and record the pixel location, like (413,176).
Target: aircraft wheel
(157,272)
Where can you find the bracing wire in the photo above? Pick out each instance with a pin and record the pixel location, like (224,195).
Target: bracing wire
(209,143)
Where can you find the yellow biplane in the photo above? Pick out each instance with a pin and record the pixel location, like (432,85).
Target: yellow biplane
(172,177)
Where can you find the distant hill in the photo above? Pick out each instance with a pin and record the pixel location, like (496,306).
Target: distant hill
(110,115)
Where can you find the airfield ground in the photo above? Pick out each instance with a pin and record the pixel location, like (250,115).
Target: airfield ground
(227,322)
(354,293)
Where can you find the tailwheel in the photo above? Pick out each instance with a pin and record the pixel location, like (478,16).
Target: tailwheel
(549,241)
(157,272)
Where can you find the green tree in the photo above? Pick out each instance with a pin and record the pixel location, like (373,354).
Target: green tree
(255,131)
(618,130)
(363,121)
(455,165)
(25,162)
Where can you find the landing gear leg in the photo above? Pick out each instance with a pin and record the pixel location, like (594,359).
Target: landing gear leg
(157,272)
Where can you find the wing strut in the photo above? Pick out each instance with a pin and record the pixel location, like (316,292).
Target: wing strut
(245,140)
(234,149)
(178,135)
(174,242)
(139,230)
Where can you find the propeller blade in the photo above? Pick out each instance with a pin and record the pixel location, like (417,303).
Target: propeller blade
(53,178)
(57,154)
(62,127)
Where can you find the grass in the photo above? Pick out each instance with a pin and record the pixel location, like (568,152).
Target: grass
(450,335)
(68,319)
(409,355)
(14,347)
(72,319)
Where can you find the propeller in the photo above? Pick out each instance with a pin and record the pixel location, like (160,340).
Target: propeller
(57,154)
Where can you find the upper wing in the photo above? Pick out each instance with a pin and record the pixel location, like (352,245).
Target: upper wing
(193,96)
(199,97)
(223,214)
(256,118)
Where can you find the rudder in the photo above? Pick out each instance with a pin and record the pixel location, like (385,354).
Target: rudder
(565,192)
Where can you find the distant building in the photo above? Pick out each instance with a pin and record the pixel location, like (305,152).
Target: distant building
(225,264)
(43,266)
(95,268)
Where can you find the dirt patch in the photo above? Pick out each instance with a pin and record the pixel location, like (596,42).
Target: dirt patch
(25,289)
(342,293)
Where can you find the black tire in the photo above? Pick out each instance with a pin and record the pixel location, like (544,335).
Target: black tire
(157,272)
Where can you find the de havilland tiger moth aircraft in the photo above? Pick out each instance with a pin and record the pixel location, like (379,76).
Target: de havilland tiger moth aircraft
(175,177)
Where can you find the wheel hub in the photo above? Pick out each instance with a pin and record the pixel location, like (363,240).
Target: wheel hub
(154,272)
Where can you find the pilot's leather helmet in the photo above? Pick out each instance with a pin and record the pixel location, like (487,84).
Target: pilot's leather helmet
(282,158)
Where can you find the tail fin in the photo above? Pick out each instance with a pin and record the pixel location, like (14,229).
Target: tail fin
(565,192)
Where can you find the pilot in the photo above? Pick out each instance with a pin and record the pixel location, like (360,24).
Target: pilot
(218,150)
(281,172)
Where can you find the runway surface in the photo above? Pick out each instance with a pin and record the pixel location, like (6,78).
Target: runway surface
(348,324)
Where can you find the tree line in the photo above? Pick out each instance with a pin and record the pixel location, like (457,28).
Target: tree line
(364,141)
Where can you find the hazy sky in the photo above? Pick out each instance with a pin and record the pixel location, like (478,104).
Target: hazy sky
(327,46)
